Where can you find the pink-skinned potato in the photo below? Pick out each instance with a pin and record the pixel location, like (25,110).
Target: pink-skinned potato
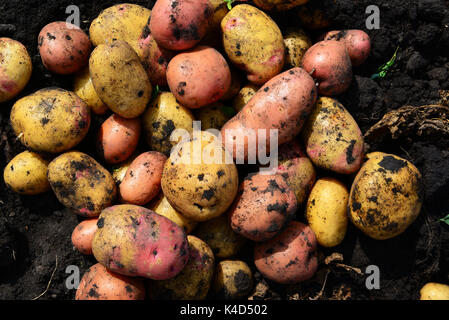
(83,235)
(357,42)
(135,241)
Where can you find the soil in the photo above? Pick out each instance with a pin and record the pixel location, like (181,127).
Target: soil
(35,246)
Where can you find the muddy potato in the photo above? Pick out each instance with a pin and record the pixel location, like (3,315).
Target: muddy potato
(253,42)
(232,280)
(119,79)
(194,281)
(312,17)
(81,184)
(245,94)
(83,87)
(142,180)
(332,138)
(118,171)
(279,5)
(64,47)
(219,235)
(135,241)
(26,174)
(212,37)
(199,179)
(434,291)
(98,283)
(326,211)
(162,207)
(386,196)
(290,257)
(164,116)
(15,68)
(198,77)
(357,43)
(296,44)
(83,234)
(214,116)
(50,120)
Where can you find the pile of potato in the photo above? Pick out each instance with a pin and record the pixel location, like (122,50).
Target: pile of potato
(175,228)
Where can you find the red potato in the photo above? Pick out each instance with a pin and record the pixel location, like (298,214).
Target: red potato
(290,257)
(180,24)
(83,235)
(142,180)
(283,103)
(329,63)
(64,48)
(117,138)
(100,284)
(198,77)
(357,42)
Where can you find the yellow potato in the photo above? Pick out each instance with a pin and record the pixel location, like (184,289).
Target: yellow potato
(214,116)
(83,87)
(118,171)
(386,196)
(245,94)
(279,5)
(434,291)
(26,174)
(212,37)
(232,280)
(15,68)
(296,44)
(194,281)
(164,116)
(119,79)
(326,211)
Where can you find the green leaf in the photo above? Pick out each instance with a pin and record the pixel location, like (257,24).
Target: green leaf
(383,69)
(156,92)
(445,219)
(229,3)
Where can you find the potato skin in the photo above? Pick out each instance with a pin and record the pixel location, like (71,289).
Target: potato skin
(180,25)
(245,94)
(117,138)
(81,183)
(246,30)
(386,196)
(332,138)
(50,120)
(83,234)
(329,63)
(198,77)
(119,79)
(135,241)
(434,291)
(64,48)
(213,116)
(265,204)
(297,42)
(357,42)
(327,211)
(26,174)
(100,284)
(210,38)
(232,280)
(292,263)
(83,87)
(15,68)
(142,180)
(194,281)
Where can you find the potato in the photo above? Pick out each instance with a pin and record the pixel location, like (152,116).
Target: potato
(135,241)
(180,25)
(232,280)
(296,44)
(329,63)
(64,47)
(100,284)
(83,234)
(117,138)
(357,42)
(26,174)
(332,138)
(265,204)
(81,183)
(83,87)
(120,79)
(253,42)
(214,116)
(163,117)
(434,291)
(290,257)
(211,38)
(245,94)
(142,181)
(219,235)
(118,171)
(50,120)
(198,77)
(161,206)
(283,103)
(312,17)
(194,280)
(15,68)
(386,196)
(278,5)
(197,180)
(326,211)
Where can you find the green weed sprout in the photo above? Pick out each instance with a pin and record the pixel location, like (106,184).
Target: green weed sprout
(383,69)
(445,219)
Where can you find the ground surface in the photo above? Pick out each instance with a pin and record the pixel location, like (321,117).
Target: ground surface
(35,231)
